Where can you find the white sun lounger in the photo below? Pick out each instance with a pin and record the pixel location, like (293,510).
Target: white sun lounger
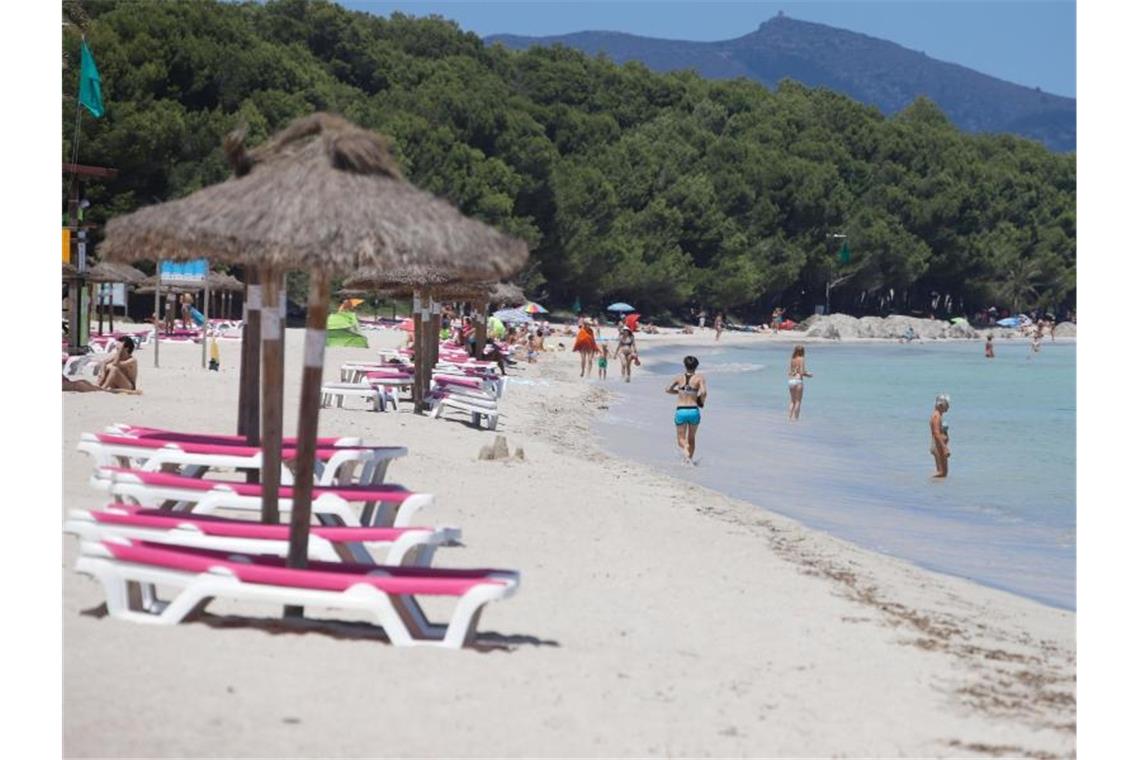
(131,571)
(164,434)
(377,505)
(392,546)
(478,407)
(334,465)
(377,395)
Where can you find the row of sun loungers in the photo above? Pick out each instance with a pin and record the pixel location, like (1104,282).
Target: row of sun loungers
(458,383)
(170,526)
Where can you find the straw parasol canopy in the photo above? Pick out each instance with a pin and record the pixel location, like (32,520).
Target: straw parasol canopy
(506,292)
(148,285)
(323,194)
(395,283)
(112,271)
(219,281)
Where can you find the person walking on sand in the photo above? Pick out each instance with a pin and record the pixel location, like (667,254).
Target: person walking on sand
(603,360)
(777,317)
(990,346)
(586,347)
(940,436)
(718,325)
(691,391)
(796,374)
(626,352)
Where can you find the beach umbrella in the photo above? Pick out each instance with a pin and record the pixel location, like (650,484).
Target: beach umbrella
(533,308)
(512,316)
(112,272)
(1008,322)
(619,306)
(326,197)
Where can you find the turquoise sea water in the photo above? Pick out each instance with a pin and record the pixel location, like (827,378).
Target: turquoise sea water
(857,464)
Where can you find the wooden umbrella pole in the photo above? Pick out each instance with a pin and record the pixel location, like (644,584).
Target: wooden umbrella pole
(417,354)
(157,316)
(308,416)
(111,307)
(436,324)
(479,310)
(272,393)
(249,395)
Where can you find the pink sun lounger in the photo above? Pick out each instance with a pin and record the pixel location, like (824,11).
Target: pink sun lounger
(162,434)
(131,571)
(398,546)
(334,465)
(383,505)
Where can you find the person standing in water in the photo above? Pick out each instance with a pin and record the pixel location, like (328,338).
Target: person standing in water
(691,391)
(718,325)
(990,346)
(796,374)
(940,436)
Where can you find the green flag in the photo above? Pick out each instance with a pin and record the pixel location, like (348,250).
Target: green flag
(90,91)
(844,254)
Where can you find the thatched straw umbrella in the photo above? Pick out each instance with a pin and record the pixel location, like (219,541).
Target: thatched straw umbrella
(427,296)
(325,196)
(224,285)
(112,272)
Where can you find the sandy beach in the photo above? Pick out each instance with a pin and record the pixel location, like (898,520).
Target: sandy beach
(654,617)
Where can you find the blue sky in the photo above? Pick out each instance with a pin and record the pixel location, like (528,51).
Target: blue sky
(1030,42)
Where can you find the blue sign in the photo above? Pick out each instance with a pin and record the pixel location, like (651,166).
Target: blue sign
(170,272)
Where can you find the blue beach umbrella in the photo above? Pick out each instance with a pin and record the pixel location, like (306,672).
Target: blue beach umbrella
(619,306)
(512,316)
(1008,322)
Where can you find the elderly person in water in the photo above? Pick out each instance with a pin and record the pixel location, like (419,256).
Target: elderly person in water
(940,436)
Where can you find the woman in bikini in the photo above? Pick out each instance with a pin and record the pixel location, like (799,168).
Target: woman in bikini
(691,392)
(796,374)
(627,352)
(940,436)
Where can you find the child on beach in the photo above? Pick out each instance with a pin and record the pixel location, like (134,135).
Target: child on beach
(603,360)
(990,346)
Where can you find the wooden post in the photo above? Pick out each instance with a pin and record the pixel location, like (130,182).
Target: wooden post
(308,416)
(111,307)
(249,395)
(272,393)
(433,341)
(157,315)
(205,314)
(417,354)
(479,313)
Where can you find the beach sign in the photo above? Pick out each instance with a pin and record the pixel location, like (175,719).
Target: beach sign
(186,272)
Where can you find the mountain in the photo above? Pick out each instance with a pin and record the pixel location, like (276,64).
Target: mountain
(870,70)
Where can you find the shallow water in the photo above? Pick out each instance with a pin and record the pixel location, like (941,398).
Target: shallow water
(857,463)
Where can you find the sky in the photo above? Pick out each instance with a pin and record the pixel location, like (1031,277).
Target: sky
(1029,42)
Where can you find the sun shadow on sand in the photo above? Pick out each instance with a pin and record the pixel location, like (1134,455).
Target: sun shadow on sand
(489,641)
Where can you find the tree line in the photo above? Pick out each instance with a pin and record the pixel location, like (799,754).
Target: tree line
(665,190)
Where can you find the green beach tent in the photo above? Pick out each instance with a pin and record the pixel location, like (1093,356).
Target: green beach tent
(343,329)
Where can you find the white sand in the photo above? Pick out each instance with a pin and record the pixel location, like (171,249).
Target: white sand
(654,617)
